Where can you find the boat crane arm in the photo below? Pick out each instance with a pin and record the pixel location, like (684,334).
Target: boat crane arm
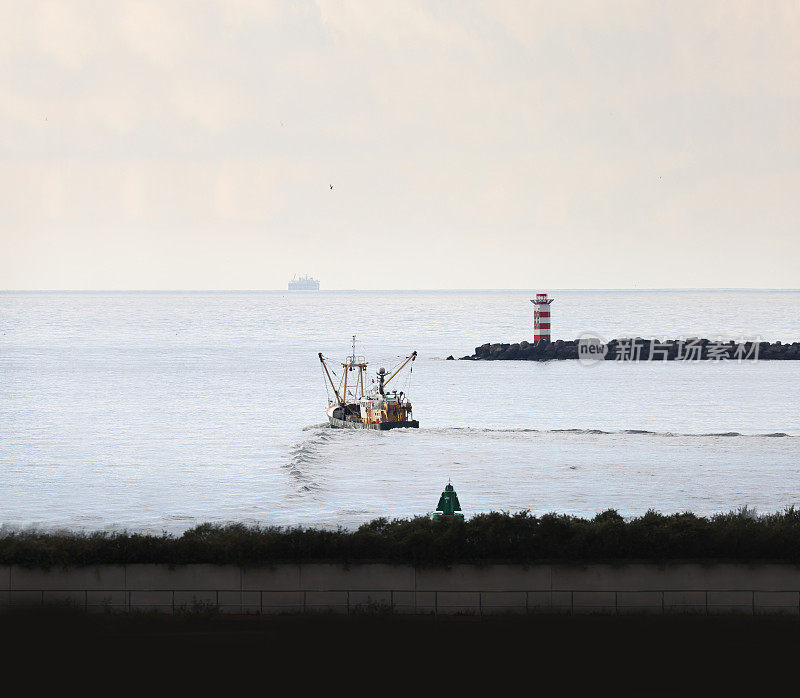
(410,358)
(330,380)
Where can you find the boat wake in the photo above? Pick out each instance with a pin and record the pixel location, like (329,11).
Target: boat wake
(305,454)
(321,425)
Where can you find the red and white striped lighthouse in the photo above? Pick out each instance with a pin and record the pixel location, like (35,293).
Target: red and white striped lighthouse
(541,317)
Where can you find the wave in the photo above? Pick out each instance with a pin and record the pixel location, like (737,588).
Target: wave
(601,432)
(325,432)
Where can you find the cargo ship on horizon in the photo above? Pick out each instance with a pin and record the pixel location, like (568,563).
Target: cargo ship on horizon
(304,283)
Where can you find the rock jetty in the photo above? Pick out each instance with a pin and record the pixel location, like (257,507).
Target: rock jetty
(638,349)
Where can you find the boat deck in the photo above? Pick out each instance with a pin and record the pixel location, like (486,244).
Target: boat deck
(380,426)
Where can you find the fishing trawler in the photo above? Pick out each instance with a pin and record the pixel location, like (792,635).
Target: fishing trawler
(355,406)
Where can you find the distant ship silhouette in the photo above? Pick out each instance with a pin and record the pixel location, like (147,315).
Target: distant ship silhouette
(304,283)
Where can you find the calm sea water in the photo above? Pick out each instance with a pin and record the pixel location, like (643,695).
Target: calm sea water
(157,411)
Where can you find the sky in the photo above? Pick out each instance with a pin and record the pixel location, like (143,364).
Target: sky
(193,145)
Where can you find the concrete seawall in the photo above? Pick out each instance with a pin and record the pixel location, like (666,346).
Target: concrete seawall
(638,349)
(502,588)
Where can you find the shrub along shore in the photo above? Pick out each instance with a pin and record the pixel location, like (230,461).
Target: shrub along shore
(496,537)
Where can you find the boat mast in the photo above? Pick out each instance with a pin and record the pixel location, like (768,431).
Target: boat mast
(410,358)
(330,380)
(361,367)
(352,362)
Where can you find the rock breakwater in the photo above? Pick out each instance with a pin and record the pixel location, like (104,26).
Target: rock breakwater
(637,349)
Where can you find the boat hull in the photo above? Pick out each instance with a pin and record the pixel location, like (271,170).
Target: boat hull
(380,426)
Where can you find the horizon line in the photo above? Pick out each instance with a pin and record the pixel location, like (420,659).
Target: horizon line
(386,290)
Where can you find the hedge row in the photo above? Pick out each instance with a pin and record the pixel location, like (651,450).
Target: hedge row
(520,538)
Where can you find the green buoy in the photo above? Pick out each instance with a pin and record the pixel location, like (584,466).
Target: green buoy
(448,504)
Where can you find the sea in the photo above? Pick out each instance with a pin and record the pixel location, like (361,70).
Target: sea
(158,411)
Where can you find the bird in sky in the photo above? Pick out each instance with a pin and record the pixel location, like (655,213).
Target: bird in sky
(331,186)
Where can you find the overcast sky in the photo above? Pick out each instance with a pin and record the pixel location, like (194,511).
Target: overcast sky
(172,145)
